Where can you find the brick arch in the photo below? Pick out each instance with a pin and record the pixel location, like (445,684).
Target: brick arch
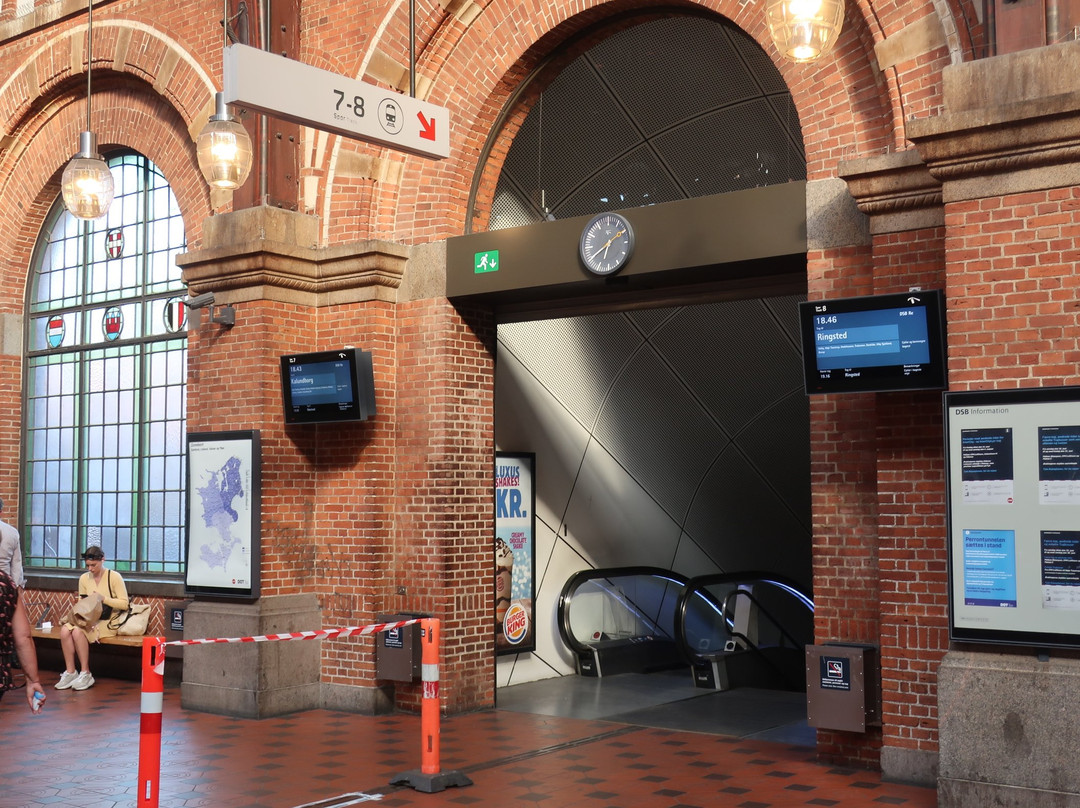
(127,114)
(843,99)
(126,46)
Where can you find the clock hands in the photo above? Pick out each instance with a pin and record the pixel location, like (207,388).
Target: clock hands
(607,245)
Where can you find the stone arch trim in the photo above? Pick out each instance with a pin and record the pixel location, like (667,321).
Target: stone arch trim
(844,100)
(126,114)
(125,46)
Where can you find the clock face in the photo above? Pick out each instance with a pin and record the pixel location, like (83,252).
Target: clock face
(607,242)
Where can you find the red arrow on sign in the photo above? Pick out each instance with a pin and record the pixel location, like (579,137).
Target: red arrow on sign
(427,127)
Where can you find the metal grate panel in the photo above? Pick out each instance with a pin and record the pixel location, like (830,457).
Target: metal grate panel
(652,424)
(509,209)
(623,125)
(756,61)
(636,180)
(742,339)
(583,128)
(736,513)
(671,70)
(750,151)
(577,359)
(777,443)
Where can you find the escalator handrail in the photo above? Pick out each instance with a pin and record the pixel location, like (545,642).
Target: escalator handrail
(737,593)
(575,581)
(699,586)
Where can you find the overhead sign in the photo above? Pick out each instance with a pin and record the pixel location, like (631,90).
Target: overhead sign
(309,96)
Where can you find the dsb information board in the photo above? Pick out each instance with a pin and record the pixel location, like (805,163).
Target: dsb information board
(1013,470)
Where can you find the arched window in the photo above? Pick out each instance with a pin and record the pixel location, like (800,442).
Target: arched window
(105,372)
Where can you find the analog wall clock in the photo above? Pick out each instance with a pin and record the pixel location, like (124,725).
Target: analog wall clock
(607,242)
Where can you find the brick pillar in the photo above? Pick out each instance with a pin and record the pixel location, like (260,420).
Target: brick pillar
(327,490)
(1005,152)
(842,461)
(906,220)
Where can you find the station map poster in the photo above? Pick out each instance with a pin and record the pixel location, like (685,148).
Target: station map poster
(1013,474)
(515,552)
(224,492)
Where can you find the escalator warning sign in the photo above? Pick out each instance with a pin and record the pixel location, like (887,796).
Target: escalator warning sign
(835,673)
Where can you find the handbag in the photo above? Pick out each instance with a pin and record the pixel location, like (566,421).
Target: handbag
(132,622)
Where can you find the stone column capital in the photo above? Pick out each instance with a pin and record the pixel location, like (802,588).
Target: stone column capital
(267,253)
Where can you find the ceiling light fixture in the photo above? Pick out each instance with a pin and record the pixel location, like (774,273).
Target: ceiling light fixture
(87,183)
(804,30)
(224,146)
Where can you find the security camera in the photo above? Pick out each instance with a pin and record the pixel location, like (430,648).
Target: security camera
(201,301)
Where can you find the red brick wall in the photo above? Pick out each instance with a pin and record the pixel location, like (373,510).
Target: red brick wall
(1013,290)
(355,513)
(879,511)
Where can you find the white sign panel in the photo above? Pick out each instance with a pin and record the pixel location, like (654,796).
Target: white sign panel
(306,95)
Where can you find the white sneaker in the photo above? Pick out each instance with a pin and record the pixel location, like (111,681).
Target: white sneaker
(67,679)
(83,681)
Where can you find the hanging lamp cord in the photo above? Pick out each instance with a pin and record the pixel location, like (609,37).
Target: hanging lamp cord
(89,55)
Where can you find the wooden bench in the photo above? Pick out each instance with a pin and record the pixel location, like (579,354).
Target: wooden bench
(118,657)
(54,634)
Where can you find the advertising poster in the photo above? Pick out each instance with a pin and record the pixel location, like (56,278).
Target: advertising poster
(1013,473)
(515,557)
(223,514)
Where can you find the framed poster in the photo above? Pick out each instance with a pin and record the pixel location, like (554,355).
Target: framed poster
(515,552)
(224,491)
(1013,472)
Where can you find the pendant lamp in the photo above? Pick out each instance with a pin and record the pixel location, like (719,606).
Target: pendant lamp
(87,183)
(804,30)
(224,146)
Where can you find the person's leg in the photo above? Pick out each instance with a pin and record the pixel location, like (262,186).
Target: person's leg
(67,644)
(82,649)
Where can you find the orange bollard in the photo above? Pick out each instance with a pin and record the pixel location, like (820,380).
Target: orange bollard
(429,707)
(428,778)
(153,696)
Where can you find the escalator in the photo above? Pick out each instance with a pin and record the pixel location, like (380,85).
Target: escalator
(622,620)
(731,629)
(745,629)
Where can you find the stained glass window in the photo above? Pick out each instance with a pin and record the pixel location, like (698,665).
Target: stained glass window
(105,399)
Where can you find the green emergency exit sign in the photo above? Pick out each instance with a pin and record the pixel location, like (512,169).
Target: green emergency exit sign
(486,262)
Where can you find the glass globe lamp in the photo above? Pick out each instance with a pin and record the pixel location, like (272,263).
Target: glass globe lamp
(87,183)
(224,149)
(804,30)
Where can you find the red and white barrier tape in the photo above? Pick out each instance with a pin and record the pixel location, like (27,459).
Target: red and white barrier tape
(352,631)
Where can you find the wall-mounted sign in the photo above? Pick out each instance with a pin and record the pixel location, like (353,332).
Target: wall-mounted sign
(1013,463)
(515,555)
(224,495)
(309,96)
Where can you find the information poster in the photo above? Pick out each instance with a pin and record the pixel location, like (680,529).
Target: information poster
(515,555)
(223,514)
(1014,515)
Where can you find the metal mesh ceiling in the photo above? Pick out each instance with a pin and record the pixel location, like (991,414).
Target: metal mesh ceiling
(670,109)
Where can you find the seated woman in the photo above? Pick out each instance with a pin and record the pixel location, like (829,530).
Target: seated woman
(97,582)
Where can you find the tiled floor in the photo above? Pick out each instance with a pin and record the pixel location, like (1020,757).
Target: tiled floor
(82,752)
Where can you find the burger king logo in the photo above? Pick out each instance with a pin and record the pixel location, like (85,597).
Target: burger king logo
(515,624)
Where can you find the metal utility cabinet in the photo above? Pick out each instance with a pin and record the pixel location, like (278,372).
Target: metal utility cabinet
(843,686)
(398,651)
